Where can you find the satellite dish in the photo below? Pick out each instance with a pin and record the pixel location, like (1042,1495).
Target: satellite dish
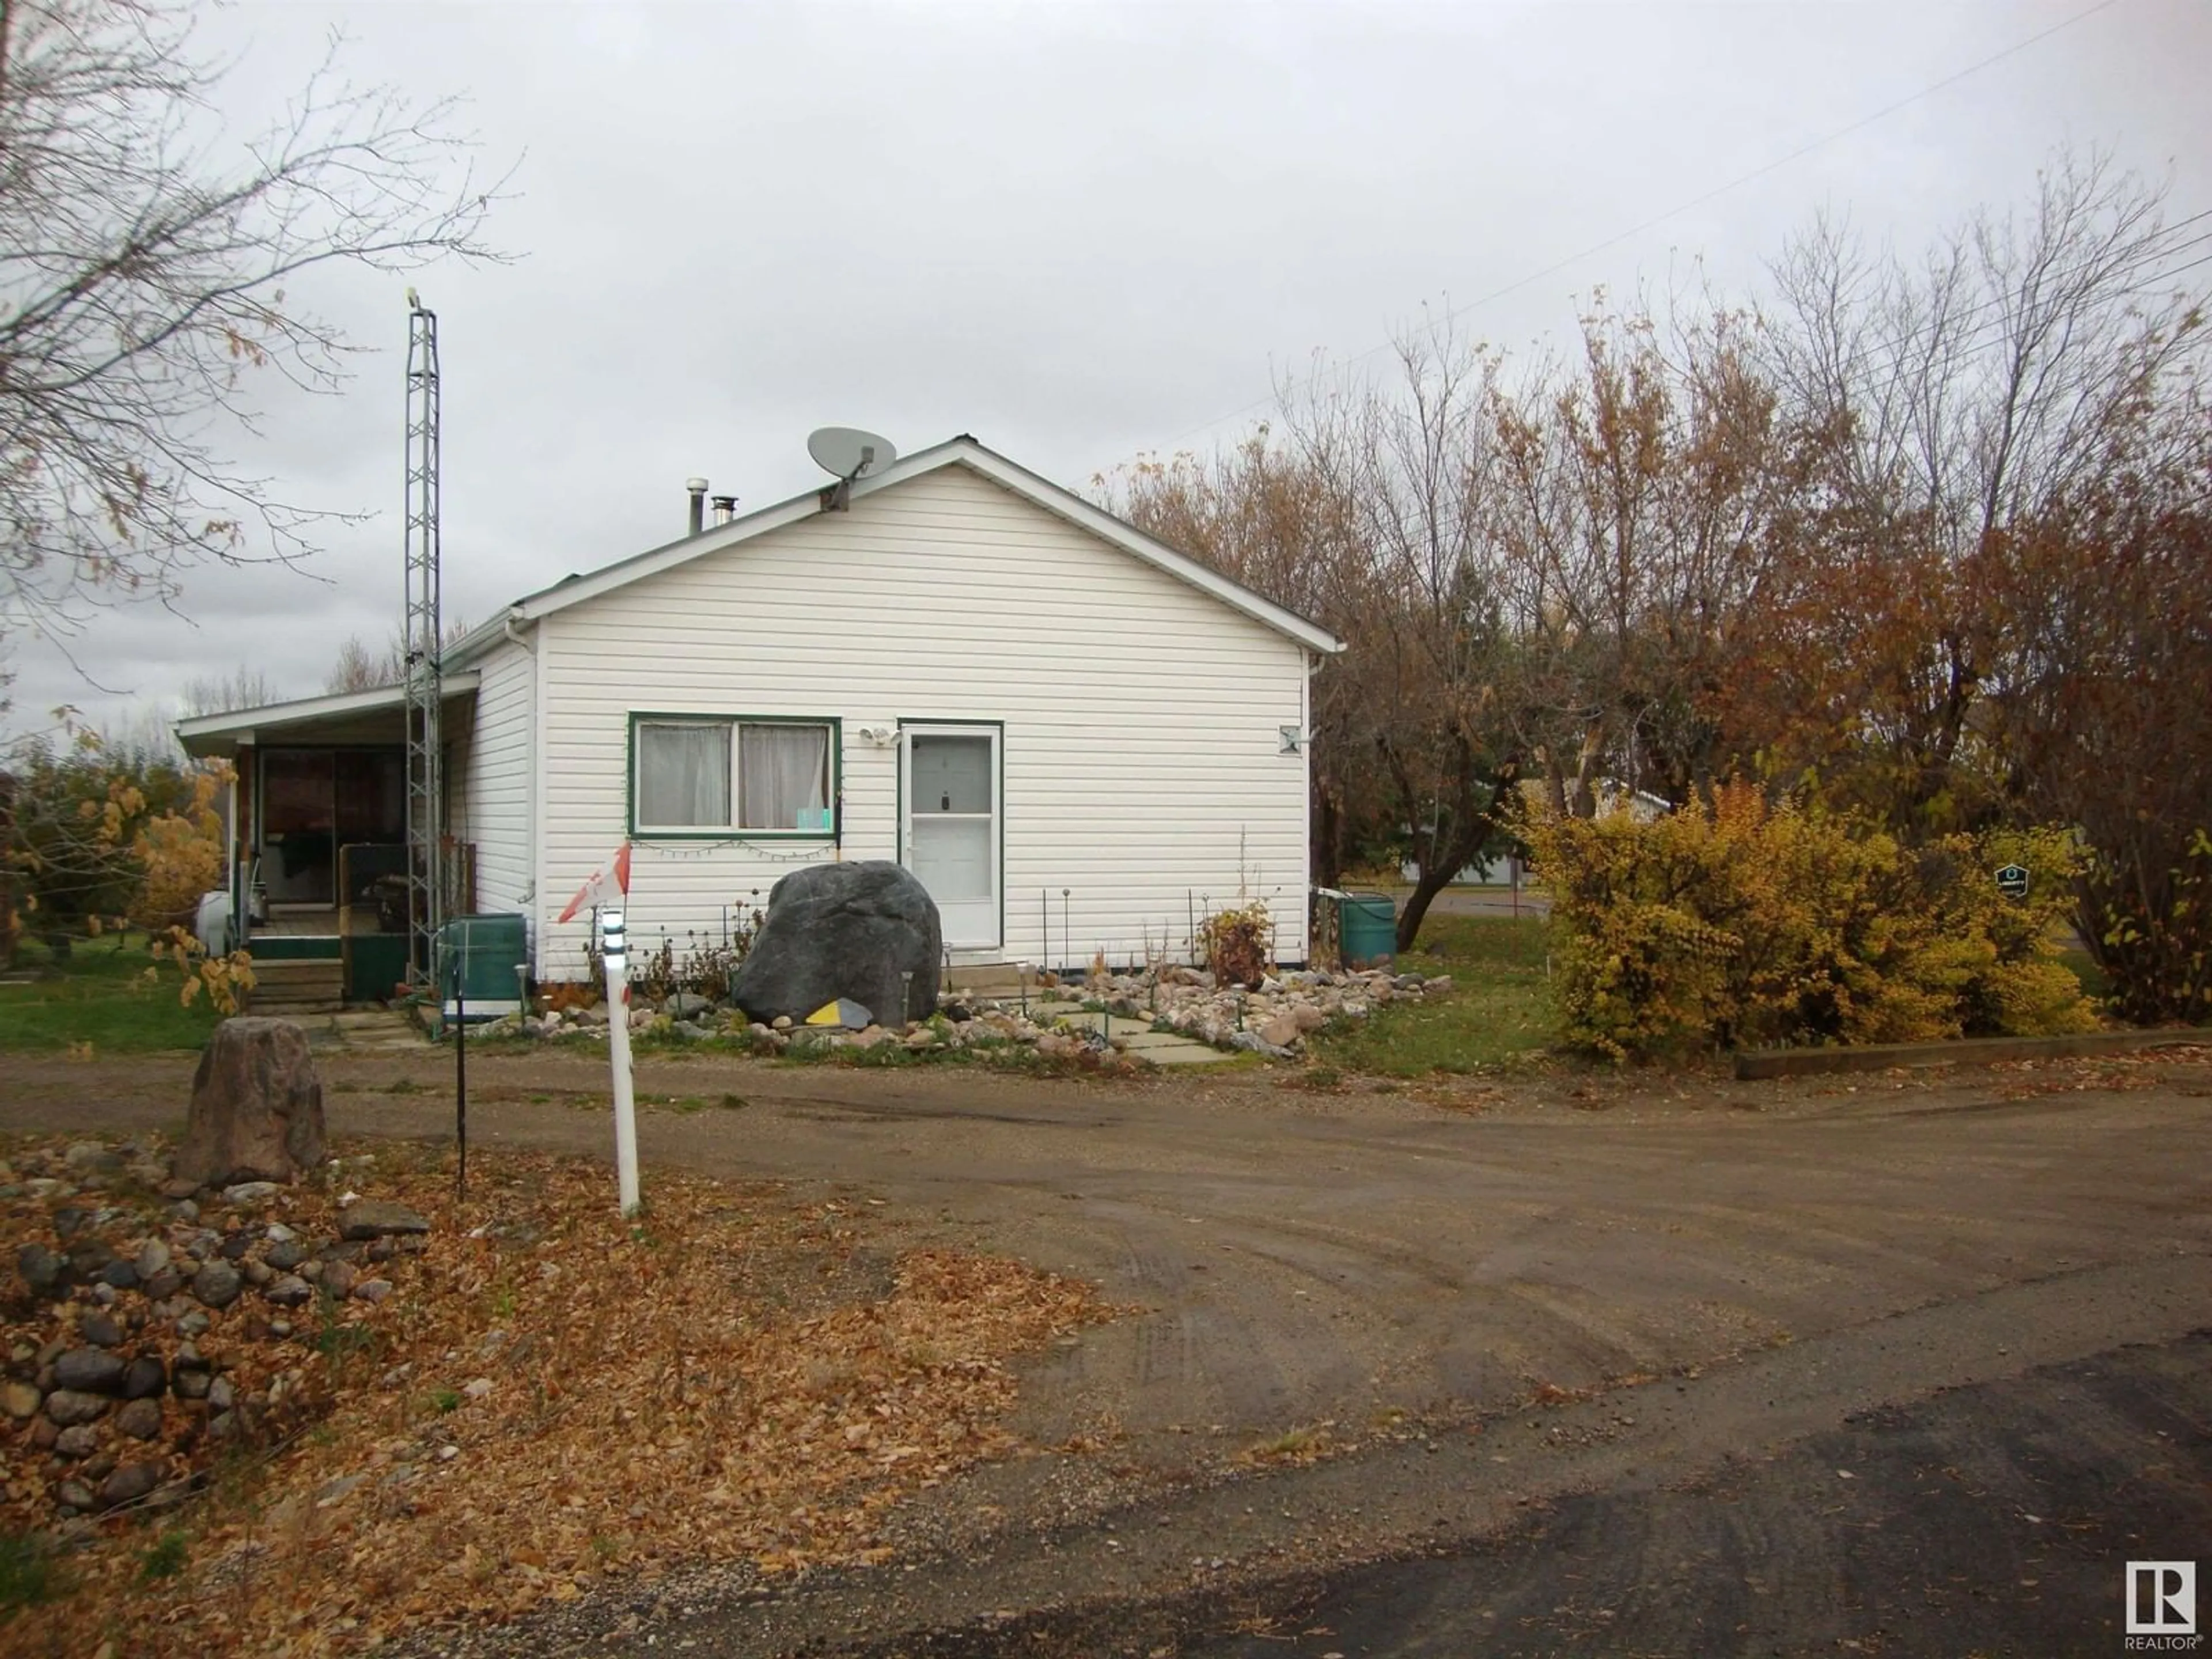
(847,452)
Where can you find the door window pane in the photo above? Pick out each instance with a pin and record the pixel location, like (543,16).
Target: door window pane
(783,777)
(684,776)
(952,775)
(952,857)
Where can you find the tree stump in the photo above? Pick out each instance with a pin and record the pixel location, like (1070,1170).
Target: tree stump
(256,1111)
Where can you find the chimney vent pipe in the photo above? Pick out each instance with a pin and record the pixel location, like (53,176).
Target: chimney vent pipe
(725,509)
(698,488)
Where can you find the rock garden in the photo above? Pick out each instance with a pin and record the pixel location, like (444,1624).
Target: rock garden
(1105,1016)
(846,959)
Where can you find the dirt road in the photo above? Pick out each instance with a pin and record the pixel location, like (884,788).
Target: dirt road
(1483,1305)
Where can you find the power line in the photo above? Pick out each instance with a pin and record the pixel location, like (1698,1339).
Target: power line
(1676,212)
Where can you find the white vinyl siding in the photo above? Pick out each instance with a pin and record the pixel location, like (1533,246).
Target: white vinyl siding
(1142,763)
(497,778)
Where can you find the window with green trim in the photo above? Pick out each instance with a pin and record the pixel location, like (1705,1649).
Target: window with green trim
(769,776)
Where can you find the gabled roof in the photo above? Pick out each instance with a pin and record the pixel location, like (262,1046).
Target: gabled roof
(962,451)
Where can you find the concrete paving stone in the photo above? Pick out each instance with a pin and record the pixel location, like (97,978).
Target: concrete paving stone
(1185,1054)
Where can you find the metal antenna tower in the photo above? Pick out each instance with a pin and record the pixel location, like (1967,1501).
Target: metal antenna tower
(425,793)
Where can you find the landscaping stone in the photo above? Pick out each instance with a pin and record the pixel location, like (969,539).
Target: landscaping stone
(120,1275)
(216,1285)
(100,1329)
(286,1254)
(375,1217)
(339,1278)
(79,1442)
(686,1005)
(372,1290)
(140,1419)
(39,1268)
(222,1395)
(89,1370)
(844,930)
(87,1258)
(290,1291)
(194,1323)
(90,1158)
(257,1106)
(67,1408)
(74,1495)
(144,1378)
(20,1401)
(250,1192)
(163,1285)
(131,1483)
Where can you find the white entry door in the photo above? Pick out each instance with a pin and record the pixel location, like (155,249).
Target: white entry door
(949,840)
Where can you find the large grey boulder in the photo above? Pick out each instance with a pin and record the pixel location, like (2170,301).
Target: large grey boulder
(844,930)
(256,1111)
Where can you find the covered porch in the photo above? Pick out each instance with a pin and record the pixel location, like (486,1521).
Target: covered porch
(318,860)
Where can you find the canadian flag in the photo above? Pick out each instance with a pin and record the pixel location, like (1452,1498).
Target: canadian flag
(590,893)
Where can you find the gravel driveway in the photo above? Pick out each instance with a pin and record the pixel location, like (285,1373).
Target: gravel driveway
(1477,1302)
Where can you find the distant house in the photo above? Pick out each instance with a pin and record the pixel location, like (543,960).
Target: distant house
(1077,737)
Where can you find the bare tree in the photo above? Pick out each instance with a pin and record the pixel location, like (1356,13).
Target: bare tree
(1968,397)
(243,687)
(359,668)
(1412,462)
(146,265)
(1647,492)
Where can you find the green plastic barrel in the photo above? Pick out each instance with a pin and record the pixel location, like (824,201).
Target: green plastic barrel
(478,956)
(1367,929)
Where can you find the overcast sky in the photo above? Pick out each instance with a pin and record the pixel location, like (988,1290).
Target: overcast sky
(1079,232)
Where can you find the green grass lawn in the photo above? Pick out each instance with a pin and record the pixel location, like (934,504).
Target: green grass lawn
(102,997)
(1498,1010)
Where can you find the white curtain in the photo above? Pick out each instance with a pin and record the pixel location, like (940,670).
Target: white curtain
(684,776)
(783,777)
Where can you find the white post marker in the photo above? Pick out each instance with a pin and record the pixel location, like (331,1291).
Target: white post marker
(614,943)
(617,947)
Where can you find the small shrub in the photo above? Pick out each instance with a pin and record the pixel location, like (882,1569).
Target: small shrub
(30,1574)
(1748,924)
(2150,932)
(1237,943)
(164,1558)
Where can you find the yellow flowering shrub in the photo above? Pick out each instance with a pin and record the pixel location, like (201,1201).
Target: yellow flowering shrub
(1749,925)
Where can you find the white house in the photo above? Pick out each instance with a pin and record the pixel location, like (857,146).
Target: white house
(1077,737)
